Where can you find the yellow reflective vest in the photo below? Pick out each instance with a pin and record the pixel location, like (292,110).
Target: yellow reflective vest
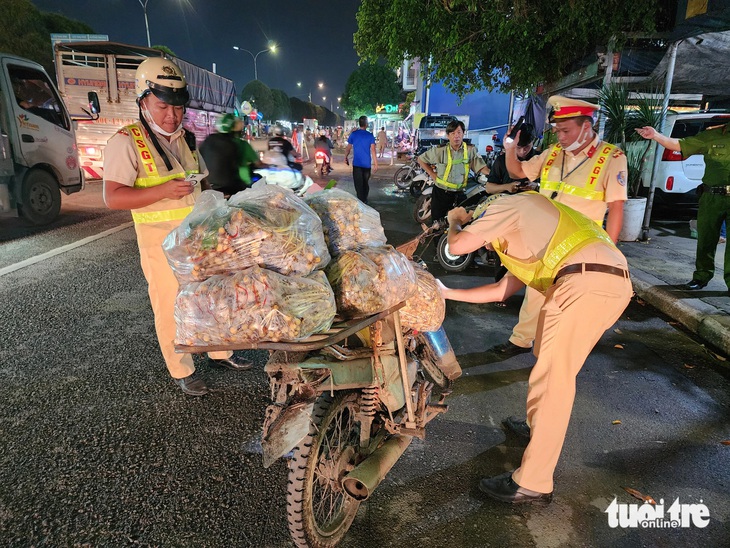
(574,232)
(443,182)
(151,171)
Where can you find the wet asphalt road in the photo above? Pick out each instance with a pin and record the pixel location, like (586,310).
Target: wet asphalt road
(98,448)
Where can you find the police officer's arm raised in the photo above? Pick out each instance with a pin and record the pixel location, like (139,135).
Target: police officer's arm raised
(649,132)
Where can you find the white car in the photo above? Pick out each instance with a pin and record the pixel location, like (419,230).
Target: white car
(676,180)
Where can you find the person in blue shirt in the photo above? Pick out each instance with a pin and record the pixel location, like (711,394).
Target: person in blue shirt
(362,143)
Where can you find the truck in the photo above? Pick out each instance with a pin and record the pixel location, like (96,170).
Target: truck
(108,68)
(38,153)
(431,128)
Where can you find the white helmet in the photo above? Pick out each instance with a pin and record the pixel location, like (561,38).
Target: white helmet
(164,79)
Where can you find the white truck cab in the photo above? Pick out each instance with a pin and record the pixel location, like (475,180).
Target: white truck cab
(38,152)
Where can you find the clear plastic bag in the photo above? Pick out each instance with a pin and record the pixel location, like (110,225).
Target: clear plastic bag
(252,306)
(268,227)
(370,280)
(348,224)
(426,308)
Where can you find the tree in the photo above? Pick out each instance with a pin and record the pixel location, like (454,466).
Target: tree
(259,95)
(165,50)
(369,85)
(25,31)
(282,107)
(500,44)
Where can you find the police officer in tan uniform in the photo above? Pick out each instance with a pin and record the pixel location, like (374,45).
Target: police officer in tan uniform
(145,169)
(570,261)
(452,163)
(580,171)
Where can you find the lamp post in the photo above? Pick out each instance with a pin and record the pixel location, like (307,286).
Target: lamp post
(271,48)
(146,23)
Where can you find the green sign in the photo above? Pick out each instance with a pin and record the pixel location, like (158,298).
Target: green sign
(389,109)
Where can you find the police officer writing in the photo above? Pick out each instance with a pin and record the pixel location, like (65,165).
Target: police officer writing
(452,163)
(714,145)
(145,169)
(580,171)
(583,279)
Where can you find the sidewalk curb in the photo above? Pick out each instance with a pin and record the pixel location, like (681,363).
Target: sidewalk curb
(708,322)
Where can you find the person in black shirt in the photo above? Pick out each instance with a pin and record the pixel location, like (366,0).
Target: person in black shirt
(499,180)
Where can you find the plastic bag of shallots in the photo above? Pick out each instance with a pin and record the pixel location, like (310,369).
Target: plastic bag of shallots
(426,308)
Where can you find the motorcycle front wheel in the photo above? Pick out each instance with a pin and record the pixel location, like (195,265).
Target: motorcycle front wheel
(319,510)
(449,261)
(416,188)
(422,209)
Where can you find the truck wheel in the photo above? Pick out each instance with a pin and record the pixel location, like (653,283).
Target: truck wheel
(40,197)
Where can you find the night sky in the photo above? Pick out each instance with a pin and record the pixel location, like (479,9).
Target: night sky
(314,37)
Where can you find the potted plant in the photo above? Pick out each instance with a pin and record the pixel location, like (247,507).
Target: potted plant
(623,115)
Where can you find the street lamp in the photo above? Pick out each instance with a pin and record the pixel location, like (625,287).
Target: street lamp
(271,48)
(146,23)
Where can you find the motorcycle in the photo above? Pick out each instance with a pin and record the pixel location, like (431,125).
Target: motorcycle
(422,208)
(345,407)
(322,164)
(284,176)
(404,176)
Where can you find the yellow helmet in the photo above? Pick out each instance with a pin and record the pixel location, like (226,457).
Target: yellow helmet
(164,79)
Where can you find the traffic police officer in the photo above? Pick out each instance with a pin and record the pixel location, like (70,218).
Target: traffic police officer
(145,168)
(452,162)
(580,171)
(583,279)
(714,145)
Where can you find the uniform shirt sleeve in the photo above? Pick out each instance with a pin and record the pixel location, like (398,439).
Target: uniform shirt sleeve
(430,156)
(696,144)
(533,166)
(616,180)
(476,162)
(498,221)
(120,160)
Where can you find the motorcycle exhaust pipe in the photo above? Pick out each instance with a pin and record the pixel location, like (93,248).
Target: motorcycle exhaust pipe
(440,348)
(366,476)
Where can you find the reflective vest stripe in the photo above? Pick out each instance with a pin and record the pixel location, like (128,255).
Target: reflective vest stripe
(161,216)
(587,192)
(443,182)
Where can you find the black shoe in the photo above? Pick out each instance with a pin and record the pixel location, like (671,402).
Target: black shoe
(694,285)
(517,426)
(192,385)
(508,349)
(503,489)
(234,363)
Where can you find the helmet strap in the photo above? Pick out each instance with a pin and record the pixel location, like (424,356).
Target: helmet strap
(153,138)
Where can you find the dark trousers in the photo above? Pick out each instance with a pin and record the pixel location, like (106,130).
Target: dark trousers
(442,201)
(713,210)
(361,176)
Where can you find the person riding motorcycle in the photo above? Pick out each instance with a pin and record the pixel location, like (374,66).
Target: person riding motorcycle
(279,143)
(324,144)
(278,172)
(228,157)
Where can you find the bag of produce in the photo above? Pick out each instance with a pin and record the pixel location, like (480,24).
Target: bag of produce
(268,227)
(370,280)
(348,224)
(426,308)
(251,306)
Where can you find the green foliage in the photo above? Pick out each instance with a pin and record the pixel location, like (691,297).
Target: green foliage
(165,50)
(25,31)
(260,96)
(369,85)
(282,107)
(301,109)
(500,44)
(623,115)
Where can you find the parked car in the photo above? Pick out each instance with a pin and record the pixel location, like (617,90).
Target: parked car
(676,180)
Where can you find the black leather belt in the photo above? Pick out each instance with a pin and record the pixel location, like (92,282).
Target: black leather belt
(723,190)
(591,267)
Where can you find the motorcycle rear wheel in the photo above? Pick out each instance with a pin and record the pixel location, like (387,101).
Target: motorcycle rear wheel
(422,209)
(449,261)
(319,510)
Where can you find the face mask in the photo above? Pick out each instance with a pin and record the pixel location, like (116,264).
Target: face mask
(579,142)
(155,127)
